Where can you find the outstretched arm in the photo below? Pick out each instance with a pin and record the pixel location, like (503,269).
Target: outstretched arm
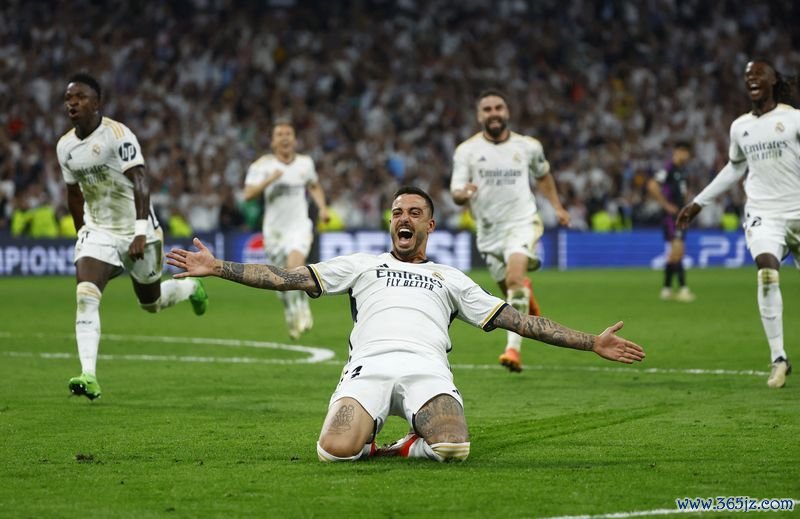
(608,345)
(726,178)
(202,263)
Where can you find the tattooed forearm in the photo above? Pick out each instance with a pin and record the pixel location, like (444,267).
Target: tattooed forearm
(543,329)
(263,276)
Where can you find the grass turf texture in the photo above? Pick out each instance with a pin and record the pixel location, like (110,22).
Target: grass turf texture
(567,436)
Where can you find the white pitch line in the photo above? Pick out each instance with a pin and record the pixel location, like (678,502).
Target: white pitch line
(326,356)
(632,371)
(316,355)
(159,358)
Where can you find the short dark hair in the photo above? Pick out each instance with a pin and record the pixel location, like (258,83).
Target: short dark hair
(683,144)
(414,190)
(90,81)
(492,92)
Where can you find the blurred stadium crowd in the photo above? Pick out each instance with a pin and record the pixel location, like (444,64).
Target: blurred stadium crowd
(381,92)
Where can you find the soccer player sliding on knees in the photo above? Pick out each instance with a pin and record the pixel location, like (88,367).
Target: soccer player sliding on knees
(402,306)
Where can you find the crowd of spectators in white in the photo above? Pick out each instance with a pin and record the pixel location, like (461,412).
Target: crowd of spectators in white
(381,92)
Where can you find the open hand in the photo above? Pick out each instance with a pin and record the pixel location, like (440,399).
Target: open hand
(196,264)
(612,347)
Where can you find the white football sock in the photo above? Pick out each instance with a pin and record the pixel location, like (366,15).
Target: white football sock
(296,301)
(173,291)
(421,449)
(443,451)
(770,306)
(87,325)
(325,456)
(519,299)
(288,310)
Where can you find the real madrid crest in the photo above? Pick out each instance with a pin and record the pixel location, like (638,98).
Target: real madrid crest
(779,127)
(96,149)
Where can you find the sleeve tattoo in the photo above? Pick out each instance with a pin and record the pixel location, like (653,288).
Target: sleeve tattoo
(543,329)
(266,276)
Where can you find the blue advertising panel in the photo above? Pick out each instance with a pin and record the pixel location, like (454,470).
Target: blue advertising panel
(562,249)
(646,248)
(449,248)
(54,257)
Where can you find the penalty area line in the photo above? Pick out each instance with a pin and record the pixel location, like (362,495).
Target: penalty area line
(318,355)
(158,358)
(314,354)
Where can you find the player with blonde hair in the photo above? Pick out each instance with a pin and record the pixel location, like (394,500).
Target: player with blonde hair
(282,178)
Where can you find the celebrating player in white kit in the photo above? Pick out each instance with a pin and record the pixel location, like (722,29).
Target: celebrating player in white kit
(402,305)
(492,172)
(765,145)
(282,178)
(109,199)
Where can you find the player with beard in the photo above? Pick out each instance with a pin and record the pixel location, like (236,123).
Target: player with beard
(492,173)
(402,306)
(109,198)
(765,145)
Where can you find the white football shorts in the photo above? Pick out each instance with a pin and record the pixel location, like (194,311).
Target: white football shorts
(394,384)
(504,239)
(770,235)
(278,243)
(113,249)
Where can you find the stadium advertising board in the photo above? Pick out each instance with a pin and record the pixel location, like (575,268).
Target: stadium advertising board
(53,257)
(557,249)
(646,248)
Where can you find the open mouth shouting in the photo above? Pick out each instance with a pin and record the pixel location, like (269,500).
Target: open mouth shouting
(754,87)
(404,236)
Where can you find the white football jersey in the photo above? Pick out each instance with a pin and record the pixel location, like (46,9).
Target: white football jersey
(399,306)
(502,173)
(98,164)
(770,144)
(285,204)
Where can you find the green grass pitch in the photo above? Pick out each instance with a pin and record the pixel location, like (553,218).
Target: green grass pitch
(224,427)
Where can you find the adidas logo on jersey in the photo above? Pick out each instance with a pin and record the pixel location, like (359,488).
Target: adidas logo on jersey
(384,266)
(482,159)
(745,134)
